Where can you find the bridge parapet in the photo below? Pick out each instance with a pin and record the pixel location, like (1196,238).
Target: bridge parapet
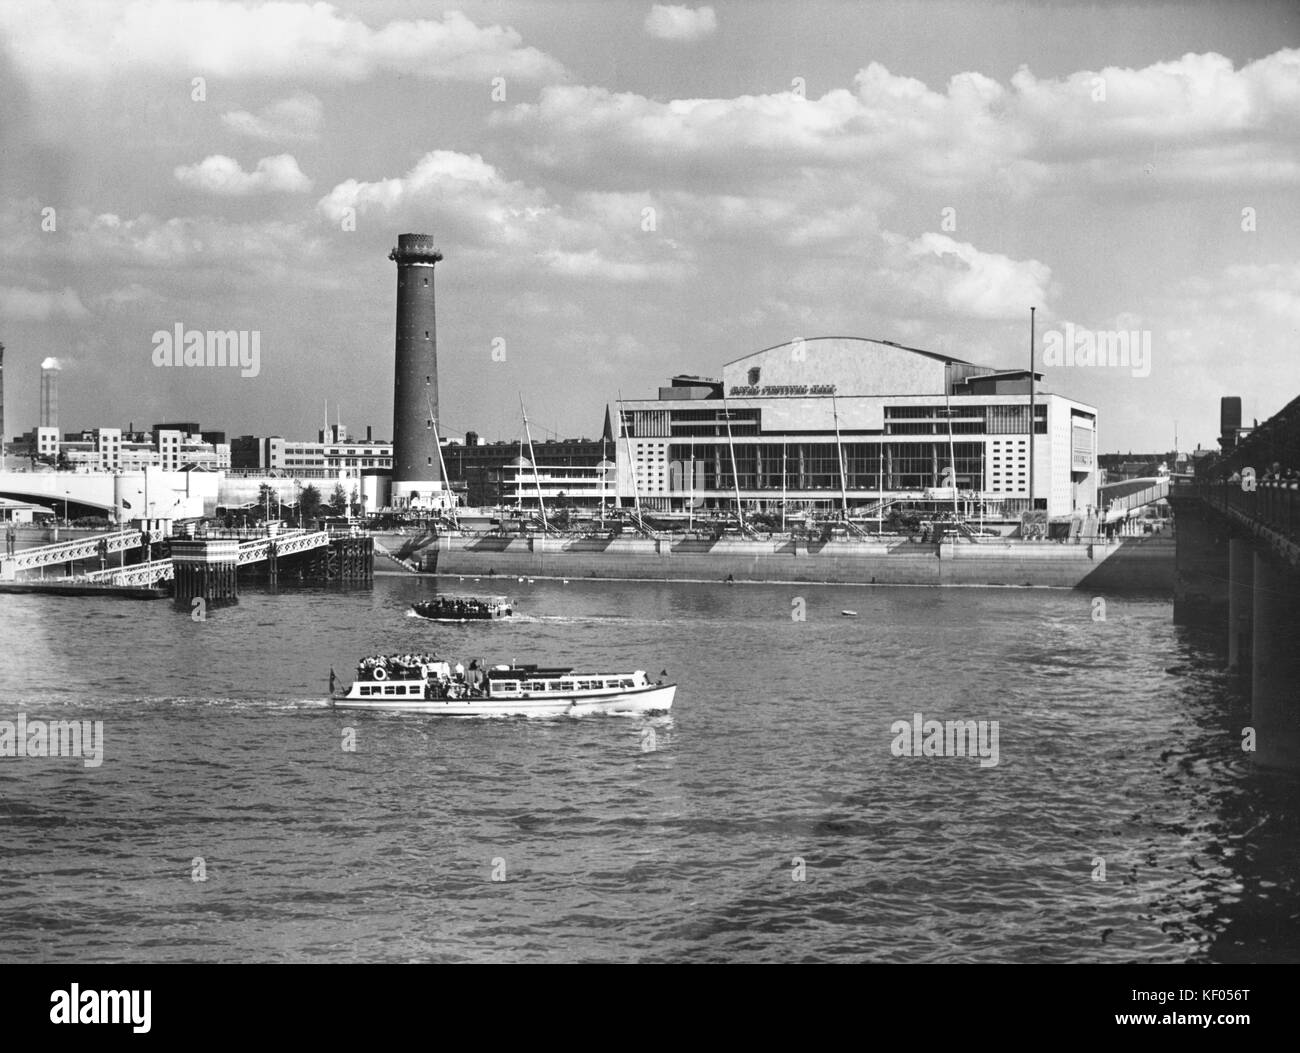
(287,544)
(1271,511)
(141,574)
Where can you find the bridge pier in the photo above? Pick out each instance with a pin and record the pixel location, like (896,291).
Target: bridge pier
(1201,566)
(205,568)
(1275,664)
(1241,603)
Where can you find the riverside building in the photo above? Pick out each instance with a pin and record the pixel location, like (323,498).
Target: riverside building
(829,424)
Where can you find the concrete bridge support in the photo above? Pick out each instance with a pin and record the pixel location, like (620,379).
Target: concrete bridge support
(1275,664)
(1201,571)
(1241,603)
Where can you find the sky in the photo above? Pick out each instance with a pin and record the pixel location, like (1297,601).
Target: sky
(625,191)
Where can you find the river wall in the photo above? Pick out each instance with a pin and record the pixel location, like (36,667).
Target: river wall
(1131,564)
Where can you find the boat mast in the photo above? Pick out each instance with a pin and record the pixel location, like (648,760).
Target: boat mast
(839,456)
(631,462)
(783,449)
(947,408)
(735,478)
(880,487)
(1032,428)
(532,456)
(446,482)
(690,501)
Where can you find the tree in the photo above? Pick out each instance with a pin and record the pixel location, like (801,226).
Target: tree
(338,499)
(309,503)
(265,497)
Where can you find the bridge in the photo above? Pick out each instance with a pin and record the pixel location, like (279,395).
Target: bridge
(235,551)
(73,551)
(1124,500)
(1238,571)
(137,494)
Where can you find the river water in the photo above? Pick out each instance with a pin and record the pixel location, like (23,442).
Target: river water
(765,819)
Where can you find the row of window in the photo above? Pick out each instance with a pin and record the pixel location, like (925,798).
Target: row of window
(609,684)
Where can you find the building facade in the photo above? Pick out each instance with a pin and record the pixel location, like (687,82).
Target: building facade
(833,423)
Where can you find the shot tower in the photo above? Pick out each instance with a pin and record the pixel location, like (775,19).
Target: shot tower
(417,470)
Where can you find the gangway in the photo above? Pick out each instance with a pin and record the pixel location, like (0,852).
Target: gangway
(1123,506)
(72,551)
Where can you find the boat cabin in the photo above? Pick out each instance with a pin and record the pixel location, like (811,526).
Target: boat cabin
(529,681)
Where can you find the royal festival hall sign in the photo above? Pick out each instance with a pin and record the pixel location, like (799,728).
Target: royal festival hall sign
(782,389)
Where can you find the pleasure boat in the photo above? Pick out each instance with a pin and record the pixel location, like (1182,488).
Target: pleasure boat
(464,608)
(425,684)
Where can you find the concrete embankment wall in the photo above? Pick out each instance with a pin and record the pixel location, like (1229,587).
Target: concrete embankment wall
(1132,564)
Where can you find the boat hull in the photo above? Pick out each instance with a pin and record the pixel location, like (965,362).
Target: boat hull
(655,699)
(464,621)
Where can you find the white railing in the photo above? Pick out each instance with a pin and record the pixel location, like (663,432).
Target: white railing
(139,575)
(287,544)
(71,551)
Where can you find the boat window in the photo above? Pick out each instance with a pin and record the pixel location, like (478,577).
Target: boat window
(628,683)
(557,685)
(365,690)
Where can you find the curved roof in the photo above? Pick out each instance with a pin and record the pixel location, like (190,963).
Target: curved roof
(937,356)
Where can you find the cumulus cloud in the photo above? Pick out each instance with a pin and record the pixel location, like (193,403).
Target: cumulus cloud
(963,279)
(223,175)
(1209,122)
(473,204)
(267,41)
(31,305)
(295,118)
(677,22)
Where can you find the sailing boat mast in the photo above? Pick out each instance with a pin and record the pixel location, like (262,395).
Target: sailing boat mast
(783,449)
(690,504)
(631,462)
(735,478)
(532,456)
(947,406)
(839,456)
(446,481)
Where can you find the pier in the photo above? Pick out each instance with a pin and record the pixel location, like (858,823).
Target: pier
(208,566)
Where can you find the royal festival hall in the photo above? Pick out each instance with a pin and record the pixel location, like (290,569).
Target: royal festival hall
(847,424)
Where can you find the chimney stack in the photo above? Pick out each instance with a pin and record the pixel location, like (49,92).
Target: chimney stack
(50,393)
(417,474)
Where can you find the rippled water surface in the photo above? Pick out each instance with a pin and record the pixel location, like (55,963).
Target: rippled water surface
(1119,750)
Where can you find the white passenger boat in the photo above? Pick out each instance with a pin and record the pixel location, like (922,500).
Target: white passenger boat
(425,684)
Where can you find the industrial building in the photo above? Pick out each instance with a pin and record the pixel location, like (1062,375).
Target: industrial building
(332,454)
(830,424)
